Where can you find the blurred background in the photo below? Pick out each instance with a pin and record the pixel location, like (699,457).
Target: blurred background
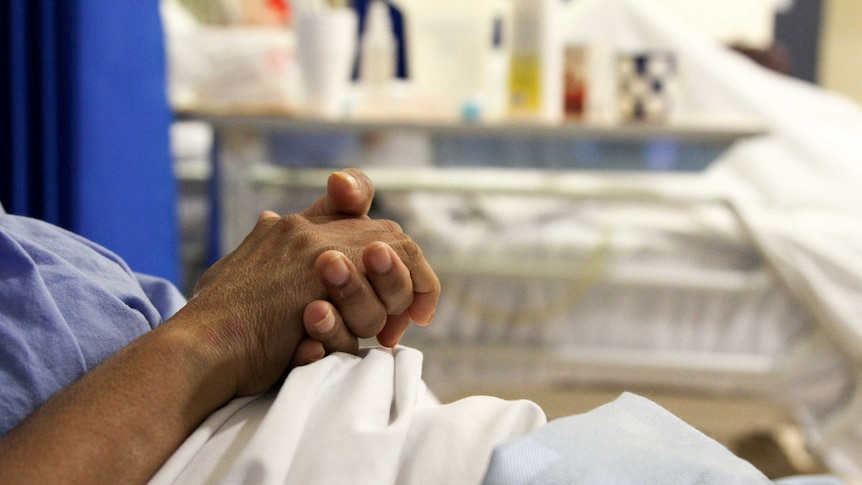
(567,165)
(68,62)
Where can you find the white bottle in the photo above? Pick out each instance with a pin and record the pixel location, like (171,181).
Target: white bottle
(497,74)
(377,58)
(536,62)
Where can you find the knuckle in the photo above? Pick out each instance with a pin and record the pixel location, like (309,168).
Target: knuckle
(411,253)
(291,223)
(298,234)
(367,323)
(399,305)
(352,295)
(390,225)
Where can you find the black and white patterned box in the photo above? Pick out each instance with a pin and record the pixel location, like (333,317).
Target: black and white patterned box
(647,86)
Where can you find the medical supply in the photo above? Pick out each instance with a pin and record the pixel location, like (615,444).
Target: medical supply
(496,76)
(377,57)
(647,83)
(326,48)
(447,43)
(575,81)
(589,93)
(535,72)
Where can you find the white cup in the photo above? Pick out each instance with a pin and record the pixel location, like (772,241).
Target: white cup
(326,49)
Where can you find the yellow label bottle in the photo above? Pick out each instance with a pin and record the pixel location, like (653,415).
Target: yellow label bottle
(535,68)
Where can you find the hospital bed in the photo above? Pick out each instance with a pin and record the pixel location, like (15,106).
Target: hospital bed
(599,276)
(555,281)
(559,279)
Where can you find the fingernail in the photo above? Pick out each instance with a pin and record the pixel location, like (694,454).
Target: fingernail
(326,323)
(336,271)
(427,322)
(380,260)
(350,179)
(320,356)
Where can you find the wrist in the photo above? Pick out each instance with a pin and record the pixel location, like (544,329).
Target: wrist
(206,356)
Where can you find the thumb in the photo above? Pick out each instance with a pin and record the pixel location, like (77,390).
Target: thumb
(349,192)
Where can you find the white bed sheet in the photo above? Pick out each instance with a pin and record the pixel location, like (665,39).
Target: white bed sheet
(348,419)
(797,187)
(370,419)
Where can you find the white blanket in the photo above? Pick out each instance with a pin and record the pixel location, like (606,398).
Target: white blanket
(629,441)
(370,419)
(798,187)
(347,419)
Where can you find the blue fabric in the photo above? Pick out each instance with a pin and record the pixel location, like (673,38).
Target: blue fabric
(66,304)
(631,440)
(84,143)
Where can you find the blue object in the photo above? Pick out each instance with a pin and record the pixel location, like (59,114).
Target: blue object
(629,440)
(471,111)
(84,144)
(66,304)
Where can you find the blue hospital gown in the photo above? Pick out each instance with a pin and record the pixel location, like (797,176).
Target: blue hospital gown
(66,304)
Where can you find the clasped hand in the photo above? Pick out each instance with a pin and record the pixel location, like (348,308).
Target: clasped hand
(308,284)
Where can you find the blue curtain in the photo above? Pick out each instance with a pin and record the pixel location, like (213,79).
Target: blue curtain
(84,142)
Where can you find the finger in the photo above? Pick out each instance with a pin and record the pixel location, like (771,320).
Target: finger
(426,285)
(349,192)
(307,351)
(394,329)
(324,324)
(267,214)
(389,277)
(426,294)
(351,293)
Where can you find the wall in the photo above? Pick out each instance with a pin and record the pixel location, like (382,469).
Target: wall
(840,63)
(798,30)
(744,22)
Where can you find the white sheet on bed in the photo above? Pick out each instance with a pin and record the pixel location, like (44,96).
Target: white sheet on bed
(630,440)
(370,419)
(347,419)
(798,187)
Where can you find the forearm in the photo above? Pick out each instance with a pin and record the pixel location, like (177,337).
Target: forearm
(120,422)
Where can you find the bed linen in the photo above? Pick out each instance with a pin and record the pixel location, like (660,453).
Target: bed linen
(349,419)
(796,187)
(630,440)
(370,419)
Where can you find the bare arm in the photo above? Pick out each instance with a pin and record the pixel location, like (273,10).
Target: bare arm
(241,331)
(121,421)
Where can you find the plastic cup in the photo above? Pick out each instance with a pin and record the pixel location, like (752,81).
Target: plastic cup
(326,49)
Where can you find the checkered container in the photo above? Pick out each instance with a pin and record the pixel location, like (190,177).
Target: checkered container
(647,84)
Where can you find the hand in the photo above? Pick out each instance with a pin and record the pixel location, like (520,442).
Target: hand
(235,337)
(349,194)
(252,299)
(385,295)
